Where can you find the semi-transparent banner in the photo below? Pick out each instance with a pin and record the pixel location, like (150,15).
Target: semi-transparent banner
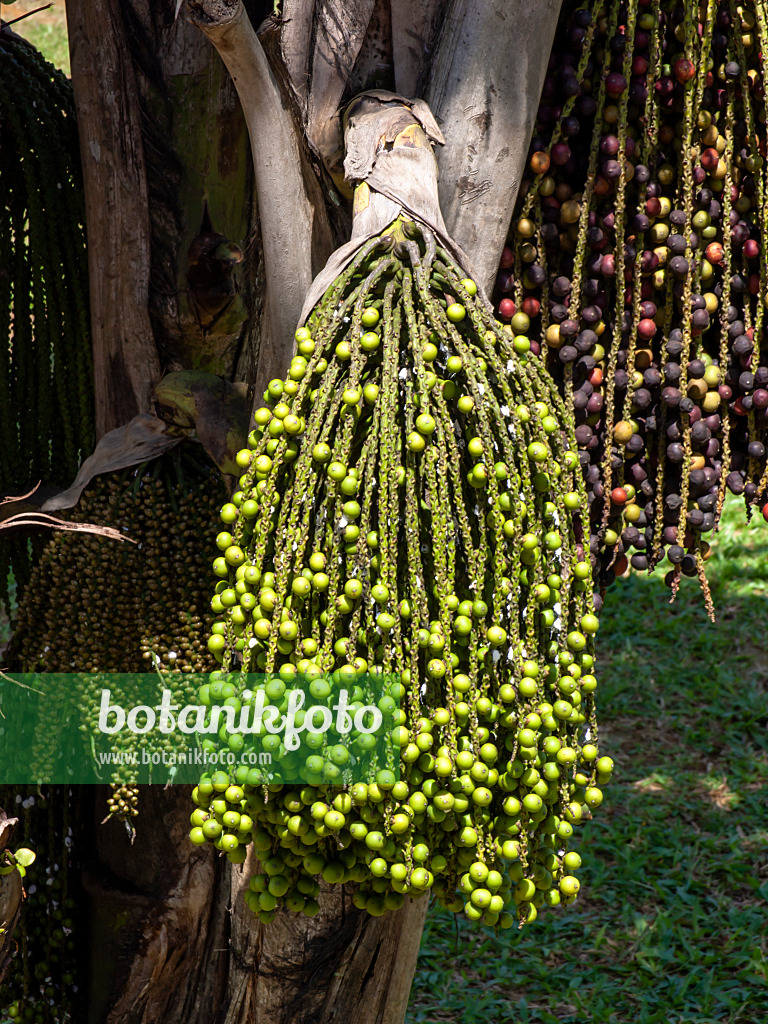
(82,728)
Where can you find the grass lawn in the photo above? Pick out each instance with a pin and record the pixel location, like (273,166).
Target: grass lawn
(671,925)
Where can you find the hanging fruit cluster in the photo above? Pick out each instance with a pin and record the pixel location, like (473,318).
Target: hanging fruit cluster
(411,509)
(637,265)
(151,595)
(42,988)
(46,372)
(151,601)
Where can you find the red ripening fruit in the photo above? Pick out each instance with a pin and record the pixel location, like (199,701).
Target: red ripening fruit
(754,284)
(602,186)
(639,65)
(751,249)
(646,329)
(540,162)
(561,153)
(620,565)
(507,309)
(764,510)
(531,307)
(684,69)
(710,158)
(619,496)
(714,252)
(596,377)
(507,258)
(653,207)
(615,84)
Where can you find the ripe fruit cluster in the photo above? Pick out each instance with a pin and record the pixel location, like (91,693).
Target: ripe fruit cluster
(411,507)
(637,267)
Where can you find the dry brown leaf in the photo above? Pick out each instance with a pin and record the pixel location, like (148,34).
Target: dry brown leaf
(402,179)
(142,438)
(12,498)
(36,520)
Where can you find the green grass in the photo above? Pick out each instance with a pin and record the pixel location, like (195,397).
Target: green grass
(671,923)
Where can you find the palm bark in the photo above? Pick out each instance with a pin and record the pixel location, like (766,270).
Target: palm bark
(126,363)
(486,107)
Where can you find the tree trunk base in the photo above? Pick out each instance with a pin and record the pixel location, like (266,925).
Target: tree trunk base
(173,943)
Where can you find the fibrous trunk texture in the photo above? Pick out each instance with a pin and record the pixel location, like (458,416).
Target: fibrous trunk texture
(173,941)
(126,363)
(173,240)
